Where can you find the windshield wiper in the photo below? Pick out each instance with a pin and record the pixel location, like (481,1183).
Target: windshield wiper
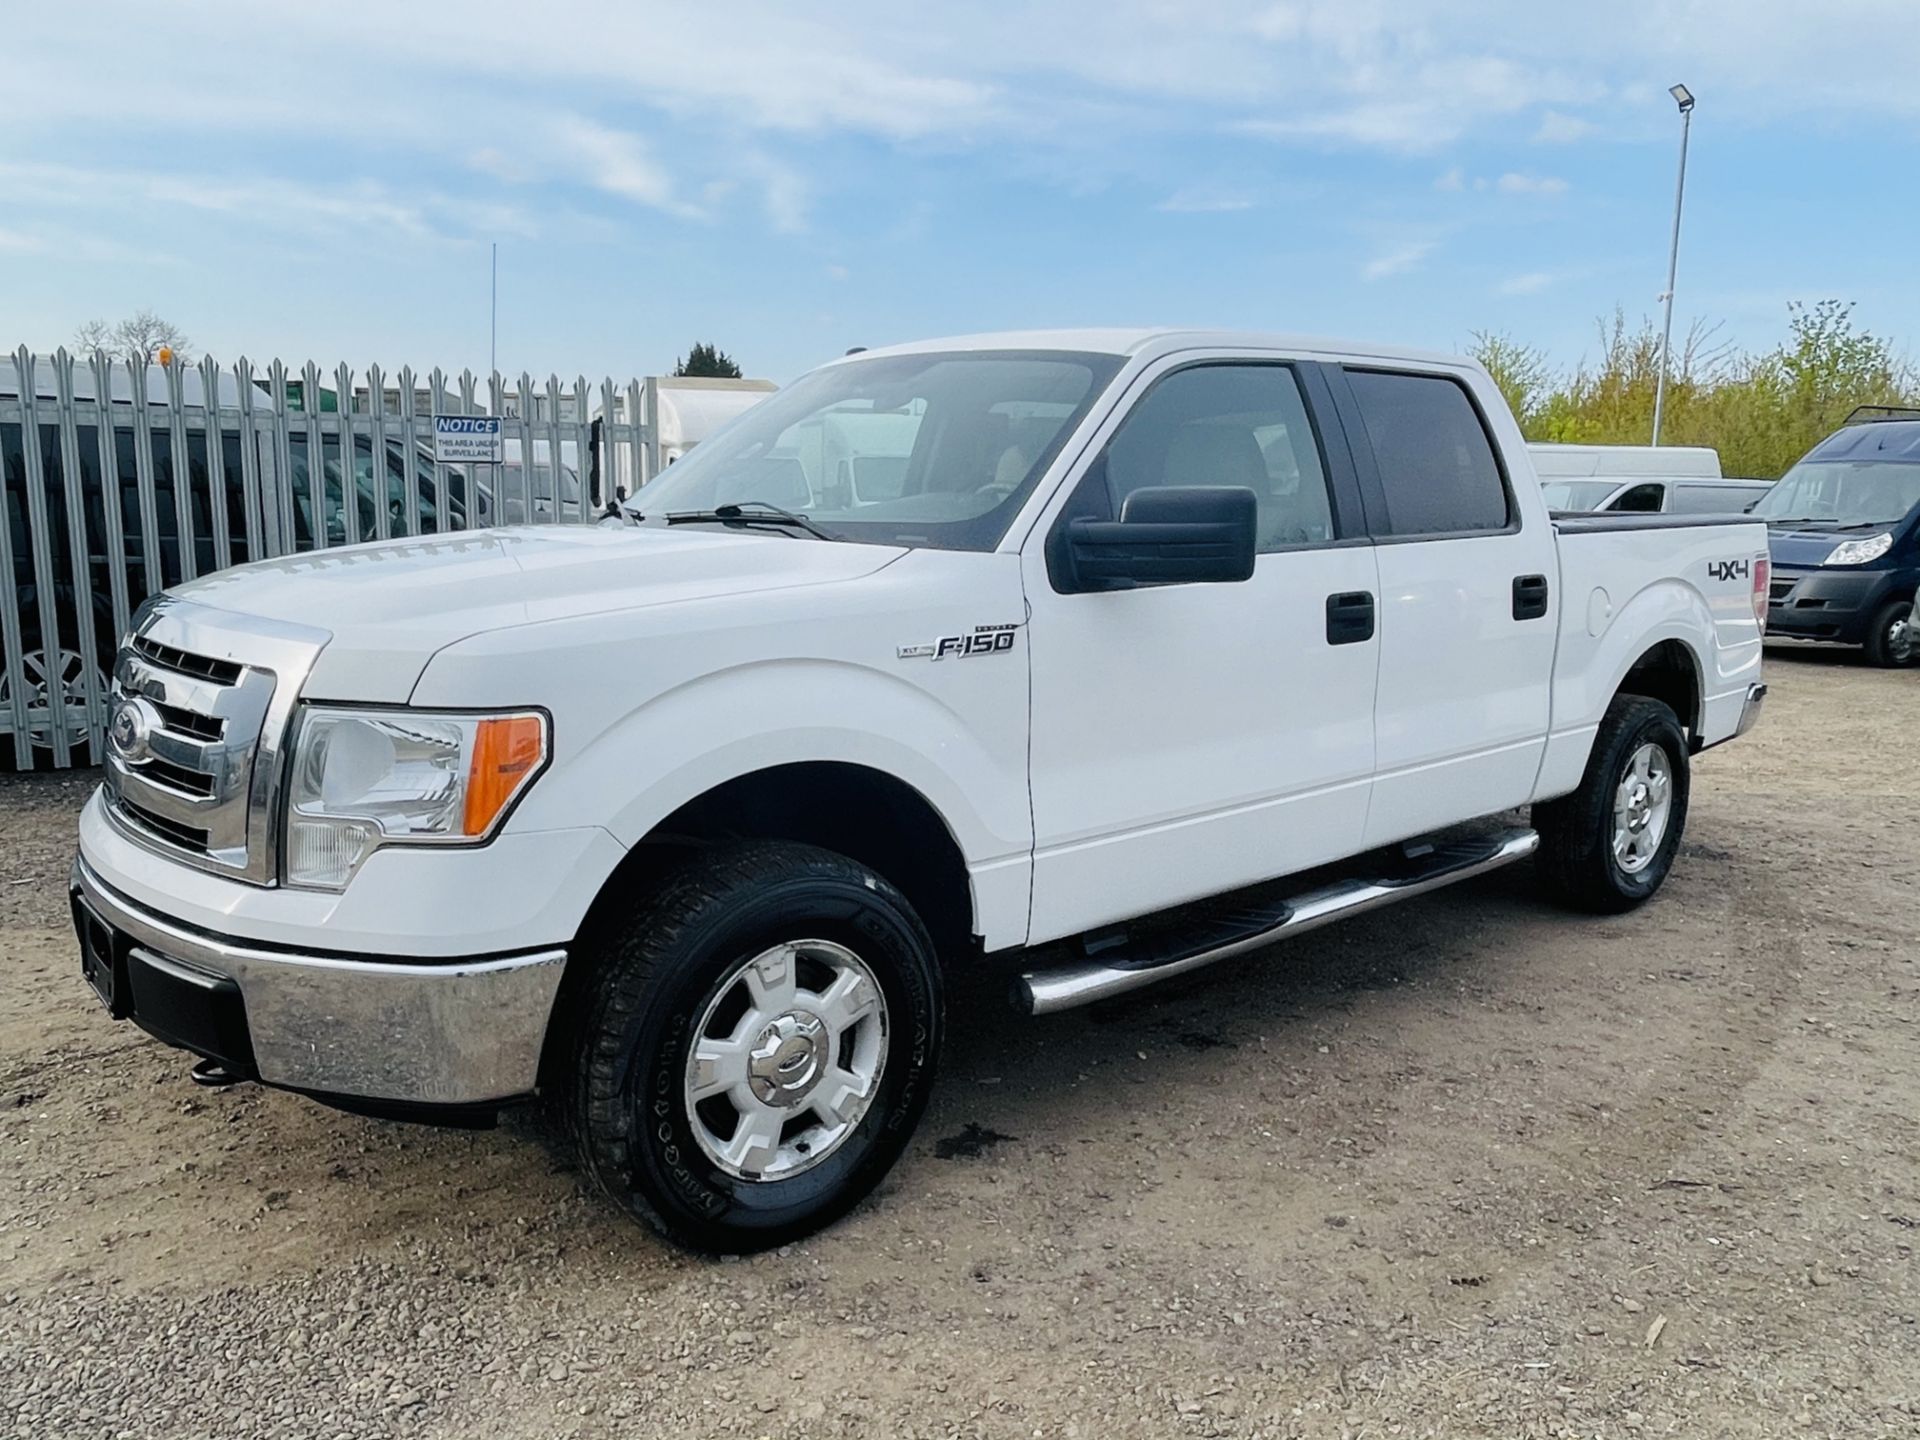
(750,512)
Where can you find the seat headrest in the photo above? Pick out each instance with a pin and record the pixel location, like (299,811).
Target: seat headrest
(1212,454)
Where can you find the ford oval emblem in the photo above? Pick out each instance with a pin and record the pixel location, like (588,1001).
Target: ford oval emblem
(130,730)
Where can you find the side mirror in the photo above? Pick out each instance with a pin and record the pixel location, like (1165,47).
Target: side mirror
(1171,535)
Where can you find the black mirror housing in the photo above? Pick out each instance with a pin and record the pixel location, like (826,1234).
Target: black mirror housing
(1166,535)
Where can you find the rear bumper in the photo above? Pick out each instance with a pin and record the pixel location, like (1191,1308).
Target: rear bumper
(463,1032)
(1834,605)
(1751,704)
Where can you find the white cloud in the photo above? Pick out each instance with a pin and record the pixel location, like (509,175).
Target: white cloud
(1514,183)
(619,163)
(659,103)
(264,200)
(1531,283)
(1406,75)
(1558,128)
(1204,200)
(1397,260)
(785,193)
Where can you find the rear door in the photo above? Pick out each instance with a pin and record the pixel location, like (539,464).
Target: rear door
(1467,603)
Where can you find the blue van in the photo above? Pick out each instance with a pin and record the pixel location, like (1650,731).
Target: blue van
(1844,530)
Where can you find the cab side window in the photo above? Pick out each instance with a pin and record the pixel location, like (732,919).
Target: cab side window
(1239,425)
(1435,458)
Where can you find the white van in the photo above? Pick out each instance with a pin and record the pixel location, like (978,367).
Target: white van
(1646,479)
(1577,462)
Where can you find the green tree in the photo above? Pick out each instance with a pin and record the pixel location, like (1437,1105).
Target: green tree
(1761,411)
(706,360)
(1521,371)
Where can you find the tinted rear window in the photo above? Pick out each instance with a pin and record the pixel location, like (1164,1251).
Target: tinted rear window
(1436,461)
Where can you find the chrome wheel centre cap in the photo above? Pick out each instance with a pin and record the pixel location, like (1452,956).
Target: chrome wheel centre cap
(788,1058)
(1639,808)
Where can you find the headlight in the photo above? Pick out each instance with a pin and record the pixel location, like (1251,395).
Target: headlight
(367,778)
(1859,552)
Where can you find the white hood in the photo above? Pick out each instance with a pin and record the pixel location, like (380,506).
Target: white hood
(391,605)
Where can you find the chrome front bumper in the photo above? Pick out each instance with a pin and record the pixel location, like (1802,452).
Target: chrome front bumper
(442,1032)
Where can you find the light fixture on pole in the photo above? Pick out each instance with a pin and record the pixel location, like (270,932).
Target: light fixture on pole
(1682,97)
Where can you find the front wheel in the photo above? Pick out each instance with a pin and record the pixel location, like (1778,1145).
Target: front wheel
(1891,638)
(756,1046)
(1608,845)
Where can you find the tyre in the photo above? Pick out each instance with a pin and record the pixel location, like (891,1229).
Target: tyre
(1891,639)
(1607,846)
(754,1046)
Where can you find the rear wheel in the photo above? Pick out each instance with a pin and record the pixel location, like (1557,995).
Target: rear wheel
(1608,846)
(1892,640)
(756,1046)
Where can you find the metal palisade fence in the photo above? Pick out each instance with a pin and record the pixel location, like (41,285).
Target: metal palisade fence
(123,478)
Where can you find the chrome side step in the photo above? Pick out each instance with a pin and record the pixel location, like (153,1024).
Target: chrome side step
(1046,989)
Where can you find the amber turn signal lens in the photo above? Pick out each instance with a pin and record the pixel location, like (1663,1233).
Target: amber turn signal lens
(507,750)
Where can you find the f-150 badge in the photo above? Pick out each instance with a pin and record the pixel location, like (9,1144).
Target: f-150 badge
(985,640)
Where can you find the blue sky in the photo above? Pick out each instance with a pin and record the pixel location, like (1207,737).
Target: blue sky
(786,181)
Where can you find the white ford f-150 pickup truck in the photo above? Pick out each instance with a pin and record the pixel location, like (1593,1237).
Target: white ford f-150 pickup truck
(1098,655)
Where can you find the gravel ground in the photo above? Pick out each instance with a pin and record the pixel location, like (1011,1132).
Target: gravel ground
(1472,1167)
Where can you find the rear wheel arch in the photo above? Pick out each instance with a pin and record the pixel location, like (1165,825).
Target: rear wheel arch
(1671,673)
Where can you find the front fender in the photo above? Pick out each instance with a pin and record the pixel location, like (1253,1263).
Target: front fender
(719,726)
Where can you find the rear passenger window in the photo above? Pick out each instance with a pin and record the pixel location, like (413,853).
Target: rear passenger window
(1436,462)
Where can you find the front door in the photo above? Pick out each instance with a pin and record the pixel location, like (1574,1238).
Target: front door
(1190,739)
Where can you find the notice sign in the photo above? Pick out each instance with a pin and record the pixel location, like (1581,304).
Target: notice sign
(468,440)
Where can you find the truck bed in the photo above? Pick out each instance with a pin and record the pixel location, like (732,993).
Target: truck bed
(1629,581)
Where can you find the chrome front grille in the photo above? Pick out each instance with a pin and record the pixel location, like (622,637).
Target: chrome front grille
(200,708)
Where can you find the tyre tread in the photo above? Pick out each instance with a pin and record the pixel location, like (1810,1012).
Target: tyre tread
(1572,862)
(631,958)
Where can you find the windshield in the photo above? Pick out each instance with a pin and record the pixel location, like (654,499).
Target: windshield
(1576,494)
(1843,492)
(936,450)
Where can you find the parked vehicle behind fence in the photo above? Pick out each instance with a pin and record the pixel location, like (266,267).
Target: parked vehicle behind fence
(132,478)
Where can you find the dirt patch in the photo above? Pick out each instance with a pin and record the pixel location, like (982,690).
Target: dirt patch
(972,1142)
(1645,1176)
